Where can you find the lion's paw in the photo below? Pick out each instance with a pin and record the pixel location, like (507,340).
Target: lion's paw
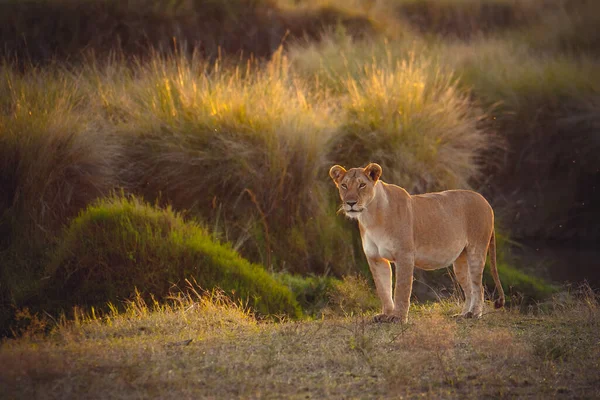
(471,314)
(386,318)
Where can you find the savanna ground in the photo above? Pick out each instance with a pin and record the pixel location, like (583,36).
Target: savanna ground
(150,143)
(209,347)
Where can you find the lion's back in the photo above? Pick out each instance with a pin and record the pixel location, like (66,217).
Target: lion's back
(456,212)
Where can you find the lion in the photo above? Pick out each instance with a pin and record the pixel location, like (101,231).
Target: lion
(427,231)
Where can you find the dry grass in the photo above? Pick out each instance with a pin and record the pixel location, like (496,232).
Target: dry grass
(401,109)
(243,147)
(55,155)
(209,347)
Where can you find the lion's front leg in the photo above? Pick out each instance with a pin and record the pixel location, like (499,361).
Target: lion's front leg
(404,281)
(382,275)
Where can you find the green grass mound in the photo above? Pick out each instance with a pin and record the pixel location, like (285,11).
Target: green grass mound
(120,244)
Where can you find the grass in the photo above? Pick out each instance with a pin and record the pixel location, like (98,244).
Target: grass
(401,109)
(322,296)
(242,145)
(245,144)
(412,119)
(55,158)
(117,245)
(207,346)
(54,154)
(545,107)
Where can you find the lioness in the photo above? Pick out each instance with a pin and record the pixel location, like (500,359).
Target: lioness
(427,231)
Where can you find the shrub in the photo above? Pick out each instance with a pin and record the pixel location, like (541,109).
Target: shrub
(319,295)
(245,148)
(547,108)
(119,244)
(55,156)
(401,110)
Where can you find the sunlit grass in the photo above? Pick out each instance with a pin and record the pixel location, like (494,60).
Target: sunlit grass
(242,145)
(204,345)
(401,108)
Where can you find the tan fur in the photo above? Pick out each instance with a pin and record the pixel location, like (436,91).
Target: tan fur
(427,231)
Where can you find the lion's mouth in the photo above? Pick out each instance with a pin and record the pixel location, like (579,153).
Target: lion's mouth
(354,211)
(351,212)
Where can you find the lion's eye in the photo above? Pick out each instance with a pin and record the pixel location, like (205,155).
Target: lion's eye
(344,186)
(362,185)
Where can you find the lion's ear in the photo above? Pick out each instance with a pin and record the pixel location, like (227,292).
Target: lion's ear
(373,171)
(336,173)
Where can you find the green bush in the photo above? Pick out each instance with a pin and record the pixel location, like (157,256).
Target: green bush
(119,244)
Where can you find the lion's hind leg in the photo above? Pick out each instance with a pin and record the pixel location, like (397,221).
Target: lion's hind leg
(461,270)
(476,261)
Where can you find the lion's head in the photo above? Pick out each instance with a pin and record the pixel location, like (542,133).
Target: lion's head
(356,187)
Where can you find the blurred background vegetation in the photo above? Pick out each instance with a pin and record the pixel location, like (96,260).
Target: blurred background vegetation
(146,142)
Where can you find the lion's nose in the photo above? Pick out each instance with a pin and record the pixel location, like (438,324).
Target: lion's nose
(351,203)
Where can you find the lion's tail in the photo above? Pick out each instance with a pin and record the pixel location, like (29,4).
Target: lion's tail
(499,303)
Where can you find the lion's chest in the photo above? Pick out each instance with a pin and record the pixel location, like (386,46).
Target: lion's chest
(376,245)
